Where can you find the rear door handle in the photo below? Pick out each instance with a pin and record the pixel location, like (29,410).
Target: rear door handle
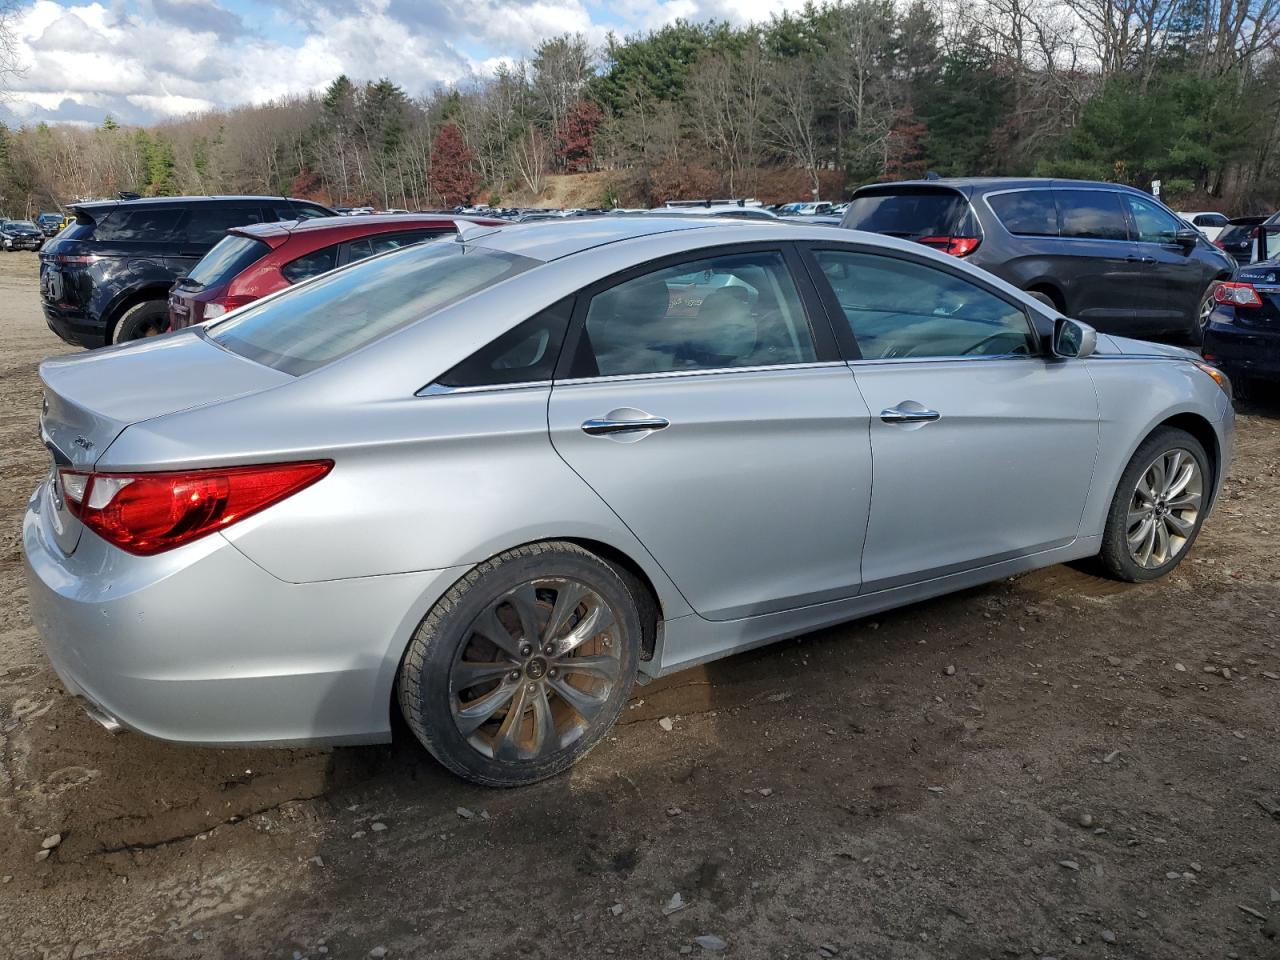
(1146,260)
(603,427)
(899,415)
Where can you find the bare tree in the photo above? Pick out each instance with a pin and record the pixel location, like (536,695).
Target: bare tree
(793,121)
(728,98)
(531,155)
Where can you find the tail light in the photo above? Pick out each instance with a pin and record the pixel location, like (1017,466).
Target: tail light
(148,513)
(1231,294)
(80,259)
(216,308)
(956,246)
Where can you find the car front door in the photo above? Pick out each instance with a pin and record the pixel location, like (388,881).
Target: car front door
(1173,280)
(983,449)
(705,402)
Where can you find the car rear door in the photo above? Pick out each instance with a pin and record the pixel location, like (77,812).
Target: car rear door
(725,433)
(983,449)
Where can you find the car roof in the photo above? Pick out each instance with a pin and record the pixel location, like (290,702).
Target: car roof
(181,201)
(548,240)
(355,226)
(984,184)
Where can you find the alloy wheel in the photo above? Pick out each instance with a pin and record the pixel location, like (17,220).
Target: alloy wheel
(534,669)
(1164,509)
(1206,308)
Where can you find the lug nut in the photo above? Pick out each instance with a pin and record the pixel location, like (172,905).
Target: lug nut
(525,649)
(514,675)
(532,687)
(549,649)
(553,672)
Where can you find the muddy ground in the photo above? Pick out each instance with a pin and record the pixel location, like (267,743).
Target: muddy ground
(840,790)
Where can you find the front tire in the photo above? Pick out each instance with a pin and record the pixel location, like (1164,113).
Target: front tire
(1158,507)
(523,666)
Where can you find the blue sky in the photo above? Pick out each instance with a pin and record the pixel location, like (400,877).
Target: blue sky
(148,60)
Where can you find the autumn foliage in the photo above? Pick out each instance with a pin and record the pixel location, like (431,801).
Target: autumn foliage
(452,175)
(575,136)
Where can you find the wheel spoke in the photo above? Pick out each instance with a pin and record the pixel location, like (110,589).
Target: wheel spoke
(1139,536)
(490,627)
(1177,526)
(1190,501)
(597,621)
(1148,544)
(603,667)
(1145,489)
(467,674)
(582,702)
(1155,477)
(1172,468)
(1138,516)
(568,598)
(524,601)
(505,745)
(1161,552)
(545,738)
(470,717)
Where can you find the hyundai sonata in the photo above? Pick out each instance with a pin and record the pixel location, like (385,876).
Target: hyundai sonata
(490,480)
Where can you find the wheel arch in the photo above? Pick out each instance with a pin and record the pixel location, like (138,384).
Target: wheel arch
(1200,428)
(151,291)
(1050,289)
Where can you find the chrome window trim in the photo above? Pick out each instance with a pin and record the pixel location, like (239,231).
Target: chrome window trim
(716,371)
(441,390)
(948,359)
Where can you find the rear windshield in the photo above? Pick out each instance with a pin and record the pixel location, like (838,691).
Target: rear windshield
(342,311)
(910,213)
(229,257)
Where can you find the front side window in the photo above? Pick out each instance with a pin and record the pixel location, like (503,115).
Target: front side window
(737,310)
(1151,223)
(1091,215)
(316,324)
(900,309)
(1027,213)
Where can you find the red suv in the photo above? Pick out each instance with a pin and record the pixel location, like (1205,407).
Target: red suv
(251,262)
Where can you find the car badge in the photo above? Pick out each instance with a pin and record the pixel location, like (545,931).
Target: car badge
(83,444)
(1271,278)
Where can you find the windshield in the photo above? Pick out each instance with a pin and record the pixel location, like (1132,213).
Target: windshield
(909,213)
(337,313)
(22,225)
(228,258)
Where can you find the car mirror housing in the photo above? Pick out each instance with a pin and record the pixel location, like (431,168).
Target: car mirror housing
(1186,237)
(1073,339)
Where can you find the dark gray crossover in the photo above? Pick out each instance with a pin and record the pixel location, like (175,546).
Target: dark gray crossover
(1104,253)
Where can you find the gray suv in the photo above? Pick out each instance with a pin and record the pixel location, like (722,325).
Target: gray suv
(1103,253)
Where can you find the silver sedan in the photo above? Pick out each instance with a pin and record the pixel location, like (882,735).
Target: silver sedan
(490,481)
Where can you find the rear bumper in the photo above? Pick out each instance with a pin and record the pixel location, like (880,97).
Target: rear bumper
(75,327)
(1243,351)
(201,645)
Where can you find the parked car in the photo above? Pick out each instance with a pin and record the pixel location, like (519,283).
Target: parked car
(1209,223)
(819,209)
(732,211)
(49,223)
(251,262)
(1239,239)
(1243,336)
(1106,254)
(106,278)
(20,235)
(489,481)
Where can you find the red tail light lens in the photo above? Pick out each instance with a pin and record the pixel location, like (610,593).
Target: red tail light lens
(956,246)
(148,513)
(1236,295)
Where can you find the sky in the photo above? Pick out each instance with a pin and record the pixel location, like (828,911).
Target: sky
(144,61)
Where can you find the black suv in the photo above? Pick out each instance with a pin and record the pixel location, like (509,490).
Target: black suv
(106,277)
(1107,254)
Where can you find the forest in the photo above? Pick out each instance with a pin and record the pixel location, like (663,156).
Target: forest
(813,103)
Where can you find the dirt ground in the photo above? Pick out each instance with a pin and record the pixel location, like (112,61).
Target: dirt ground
(841,795)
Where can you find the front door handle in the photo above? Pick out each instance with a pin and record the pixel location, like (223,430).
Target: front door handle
(1144,260)
(603,427)
(908,415)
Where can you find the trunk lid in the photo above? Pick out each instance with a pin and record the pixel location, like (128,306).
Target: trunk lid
(91,398)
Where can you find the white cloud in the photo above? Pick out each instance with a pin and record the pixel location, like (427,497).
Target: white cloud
(146,60)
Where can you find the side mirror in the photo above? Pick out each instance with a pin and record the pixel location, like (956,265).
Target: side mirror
(1073,339)
(1186,237)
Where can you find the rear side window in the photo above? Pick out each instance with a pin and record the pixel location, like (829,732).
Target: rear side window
(210,221)
(1091,215)
(312,265)
(229,257)
(739,310)
(382,242)
(156,224)
(910,213)
(902,310)
(307,328)
(1027,213)
(1211,220)
(525,354)
(305,212)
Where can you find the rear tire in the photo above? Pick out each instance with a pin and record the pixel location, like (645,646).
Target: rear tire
(485,684)
(1203,311)
(1044,298)
(147,319)
(1158,507)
